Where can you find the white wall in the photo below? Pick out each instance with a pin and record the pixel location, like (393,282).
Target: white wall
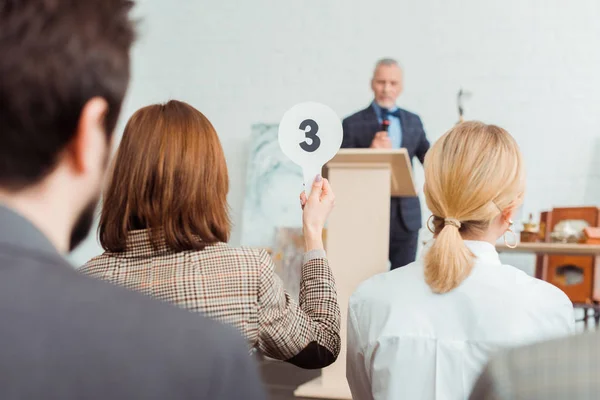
(533,68)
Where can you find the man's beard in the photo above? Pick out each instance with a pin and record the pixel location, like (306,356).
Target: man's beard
(83,224)
(85,220)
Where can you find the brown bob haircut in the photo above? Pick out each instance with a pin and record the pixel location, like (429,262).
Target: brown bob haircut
(169,175)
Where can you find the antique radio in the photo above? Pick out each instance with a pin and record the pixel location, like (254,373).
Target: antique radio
(575,275)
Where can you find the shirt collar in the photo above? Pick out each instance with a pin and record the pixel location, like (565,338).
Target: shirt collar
(377,108)
(140,243)
(483,251)
(143,243)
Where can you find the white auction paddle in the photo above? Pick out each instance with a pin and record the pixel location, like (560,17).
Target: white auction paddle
(310,134)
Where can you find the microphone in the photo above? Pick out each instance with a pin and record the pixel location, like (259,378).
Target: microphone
(385,124)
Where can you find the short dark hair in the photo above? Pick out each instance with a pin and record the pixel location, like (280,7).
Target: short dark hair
(55,55)
(170,176)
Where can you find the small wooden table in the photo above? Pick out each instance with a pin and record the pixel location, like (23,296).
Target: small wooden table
(575,249)
(552,248)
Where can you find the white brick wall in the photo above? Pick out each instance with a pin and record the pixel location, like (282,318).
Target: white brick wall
(533,67)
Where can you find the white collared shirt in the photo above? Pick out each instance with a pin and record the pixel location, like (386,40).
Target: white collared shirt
(406,342)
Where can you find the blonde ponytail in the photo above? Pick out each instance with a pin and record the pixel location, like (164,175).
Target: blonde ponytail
(448,261)
(472,173)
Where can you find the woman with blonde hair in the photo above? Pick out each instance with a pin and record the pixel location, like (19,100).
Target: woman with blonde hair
(425,331)
(165,224)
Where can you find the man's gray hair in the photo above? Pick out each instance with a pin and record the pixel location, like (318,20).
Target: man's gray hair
(387,62)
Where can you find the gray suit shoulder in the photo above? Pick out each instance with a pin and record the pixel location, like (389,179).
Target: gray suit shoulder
(526,372)
(79,337)
(210,357)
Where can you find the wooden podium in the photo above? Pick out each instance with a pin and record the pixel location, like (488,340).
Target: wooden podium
(357,241)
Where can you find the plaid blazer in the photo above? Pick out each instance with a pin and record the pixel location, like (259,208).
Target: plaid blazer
(237,286)
(561,369)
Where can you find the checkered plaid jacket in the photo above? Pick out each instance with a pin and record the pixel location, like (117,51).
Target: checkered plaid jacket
(236,286)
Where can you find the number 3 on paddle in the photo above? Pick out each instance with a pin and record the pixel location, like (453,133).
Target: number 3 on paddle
(307,143)
(311,134)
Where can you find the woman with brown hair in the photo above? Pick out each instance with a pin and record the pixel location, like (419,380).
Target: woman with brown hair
(165,224)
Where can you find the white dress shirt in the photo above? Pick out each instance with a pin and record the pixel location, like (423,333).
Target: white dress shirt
(406,342)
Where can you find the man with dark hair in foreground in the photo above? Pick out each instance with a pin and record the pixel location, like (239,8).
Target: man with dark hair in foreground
(64,69)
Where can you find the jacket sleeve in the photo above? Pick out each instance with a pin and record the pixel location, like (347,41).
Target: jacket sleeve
(305,334)
(348,140)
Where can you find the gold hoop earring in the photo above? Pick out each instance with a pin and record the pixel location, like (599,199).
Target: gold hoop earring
(429,226)
(515,243)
